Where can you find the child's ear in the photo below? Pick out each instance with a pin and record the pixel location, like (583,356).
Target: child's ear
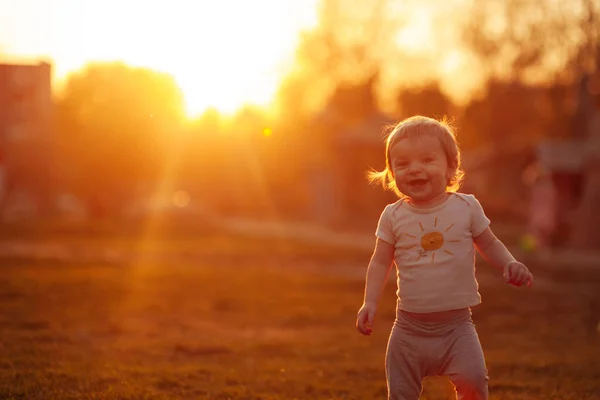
(451,173)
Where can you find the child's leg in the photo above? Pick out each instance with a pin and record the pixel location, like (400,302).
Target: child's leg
(465,364)
(404,368)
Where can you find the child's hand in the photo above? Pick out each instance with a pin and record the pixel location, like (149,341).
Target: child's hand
(364,320)
(517,274)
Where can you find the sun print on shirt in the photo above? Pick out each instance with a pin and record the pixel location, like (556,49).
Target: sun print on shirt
(431,242)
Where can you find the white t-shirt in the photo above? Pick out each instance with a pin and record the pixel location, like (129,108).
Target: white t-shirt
(434,252)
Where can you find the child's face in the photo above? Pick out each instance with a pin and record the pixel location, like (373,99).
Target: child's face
(420,167)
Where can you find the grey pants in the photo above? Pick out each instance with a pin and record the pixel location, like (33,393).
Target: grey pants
(418,349)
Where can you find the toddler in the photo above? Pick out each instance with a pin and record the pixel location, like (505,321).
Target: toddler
(431,234)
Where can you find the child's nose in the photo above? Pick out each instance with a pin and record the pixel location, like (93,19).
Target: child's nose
(414,167)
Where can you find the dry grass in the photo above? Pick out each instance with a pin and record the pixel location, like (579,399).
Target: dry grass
(228,319)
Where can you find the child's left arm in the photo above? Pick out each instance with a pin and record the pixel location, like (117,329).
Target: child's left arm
(496,253)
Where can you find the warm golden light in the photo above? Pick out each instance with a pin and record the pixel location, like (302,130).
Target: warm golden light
(181,198)
(223,54)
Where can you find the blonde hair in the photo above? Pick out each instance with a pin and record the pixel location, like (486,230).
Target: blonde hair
(416,126)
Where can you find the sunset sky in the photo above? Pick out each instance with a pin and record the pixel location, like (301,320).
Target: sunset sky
(222,53)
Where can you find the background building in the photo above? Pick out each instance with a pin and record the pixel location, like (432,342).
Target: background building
(25,138)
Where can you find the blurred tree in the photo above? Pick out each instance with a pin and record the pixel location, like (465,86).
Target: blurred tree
(335,72)
(209,123)
(427,100)
(348,45)
(116,125)
(553,43)
(335,69)
(535,41)
(545,42)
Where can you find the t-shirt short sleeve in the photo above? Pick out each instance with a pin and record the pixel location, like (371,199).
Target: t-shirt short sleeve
(384,226)
(479,221)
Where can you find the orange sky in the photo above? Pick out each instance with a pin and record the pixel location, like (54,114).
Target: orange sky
(222,53)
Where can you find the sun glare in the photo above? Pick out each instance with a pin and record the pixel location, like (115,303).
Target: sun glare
(224,54)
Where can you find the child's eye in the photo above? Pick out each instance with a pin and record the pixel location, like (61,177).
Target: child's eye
(428,160)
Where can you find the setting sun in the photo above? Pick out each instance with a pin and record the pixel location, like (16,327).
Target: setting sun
(223,54)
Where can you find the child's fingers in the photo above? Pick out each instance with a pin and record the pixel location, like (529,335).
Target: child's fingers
(365,330)
(364,322)
(509,273)
(524,278)
(370,319)
(361,323)
(520,277)
(517,275)
(530,280)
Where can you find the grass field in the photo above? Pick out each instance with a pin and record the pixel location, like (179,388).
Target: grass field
(226,318)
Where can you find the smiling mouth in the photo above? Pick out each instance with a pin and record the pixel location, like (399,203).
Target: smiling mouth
(418,182)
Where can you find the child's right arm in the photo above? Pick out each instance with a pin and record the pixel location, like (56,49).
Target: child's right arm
(377,274)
